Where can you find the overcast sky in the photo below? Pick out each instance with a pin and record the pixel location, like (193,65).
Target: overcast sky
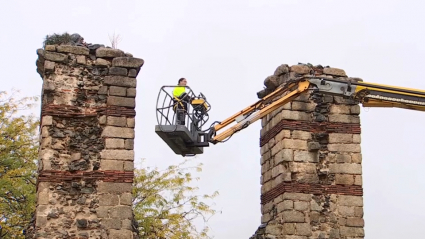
(226,49)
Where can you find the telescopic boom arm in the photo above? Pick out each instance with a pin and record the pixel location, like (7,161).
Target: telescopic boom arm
(368,94)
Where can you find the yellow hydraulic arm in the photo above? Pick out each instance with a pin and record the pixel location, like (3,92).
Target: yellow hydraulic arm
(368,94)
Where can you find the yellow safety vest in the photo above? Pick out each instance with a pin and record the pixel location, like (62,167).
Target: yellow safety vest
(178,91)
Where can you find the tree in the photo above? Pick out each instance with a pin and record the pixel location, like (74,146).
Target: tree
(166,206)
(18,154)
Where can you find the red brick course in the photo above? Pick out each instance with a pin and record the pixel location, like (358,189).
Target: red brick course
(316,189)
(313,127)
(75,111)
(105,176)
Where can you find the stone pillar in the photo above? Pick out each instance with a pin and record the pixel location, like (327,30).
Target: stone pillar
(86,153)
(311,172)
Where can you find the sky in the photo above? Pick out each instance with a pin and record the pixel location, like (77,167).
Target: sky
(225,49)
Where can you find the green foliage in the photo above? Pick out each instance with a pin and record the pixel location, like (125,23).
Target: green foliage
(165,206)
(18,154)
(57,39)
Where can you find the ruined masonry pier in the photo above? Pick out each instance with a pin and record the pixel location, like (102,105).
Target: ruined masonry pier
(311,172)
(85,174)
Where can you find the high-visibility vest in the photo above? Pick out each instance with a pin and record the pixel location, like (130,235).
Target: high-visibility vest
(178,91)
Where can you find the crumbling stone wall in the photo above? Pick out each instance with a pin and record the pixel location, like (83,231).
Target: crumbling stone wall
(86,152)
(311,172)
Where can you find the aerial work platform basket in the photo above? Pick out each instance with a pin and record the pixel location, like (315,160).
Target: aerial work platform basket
(180,121)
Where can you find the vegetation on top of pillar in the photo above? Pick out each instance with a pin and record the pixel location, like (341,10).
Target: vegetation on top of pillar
(165,206)
(18,154)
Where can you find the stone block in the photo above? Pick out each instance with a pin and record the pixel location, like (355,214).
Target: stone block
(132,73)
(129,144)
(303,106)
(295,115)
(356,138)
(129,62)
(282,69)
(276,148)
(111,223)
(111,165)
(131,122)
(103,90)
(352,119)
(266,187)
(49,66)
(294,144)
(128,166)
(300,69)
(314,206)
(303,229)
(120,234)
(103,211)
(284,155)
(120,81)
(352,148)
(47,120)
(114,143)
(46,142)
(108,187)
(75,156)
(118,132)
(298,134)
(342,158)
(340,109)
(102,119)
(345,168)
(305,156)
(345,211)
(297,196)
(50,48)
(108,52)
(340,138)
(289,228)
(351,231)
(334,71)
(117,91)
(54,56)
(45,132)
(127,224)
(81,59)
(271,82)
(358,180)
(301,206)
(131,92)
(118,71)
(267,175)
(121,101)
(121,212)
(41,221)
(344,179)
(102,62)
(296,167)
(355,109)
(358,211)
(306,178)
(285,205)
(116,121)
(278,169)
(356,158)
(345,200)
(108,200)
(117,154)
(43,197)
(126,199)
(355,222)
(293,216)
(78,50)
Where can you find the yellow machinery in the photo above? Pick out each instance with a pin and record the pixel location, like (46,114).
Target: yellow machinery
(190,139)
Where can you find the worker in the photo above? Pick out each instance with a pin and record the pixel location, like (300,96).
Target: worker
(181,99)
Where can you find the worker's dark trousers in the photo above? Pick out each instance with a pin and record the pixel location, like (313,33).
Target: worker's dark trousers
(181,112)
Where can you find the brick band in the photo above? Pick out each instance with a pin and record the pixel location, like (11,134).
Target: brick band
(316,189)
(313,127)
(105,176)
(75,111)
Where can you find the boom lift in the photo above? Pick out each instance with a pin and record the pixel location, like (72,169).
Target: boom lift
(190,139)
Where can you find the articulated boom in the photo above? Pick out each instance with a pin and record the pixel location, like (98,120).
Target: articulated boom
(190,139)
